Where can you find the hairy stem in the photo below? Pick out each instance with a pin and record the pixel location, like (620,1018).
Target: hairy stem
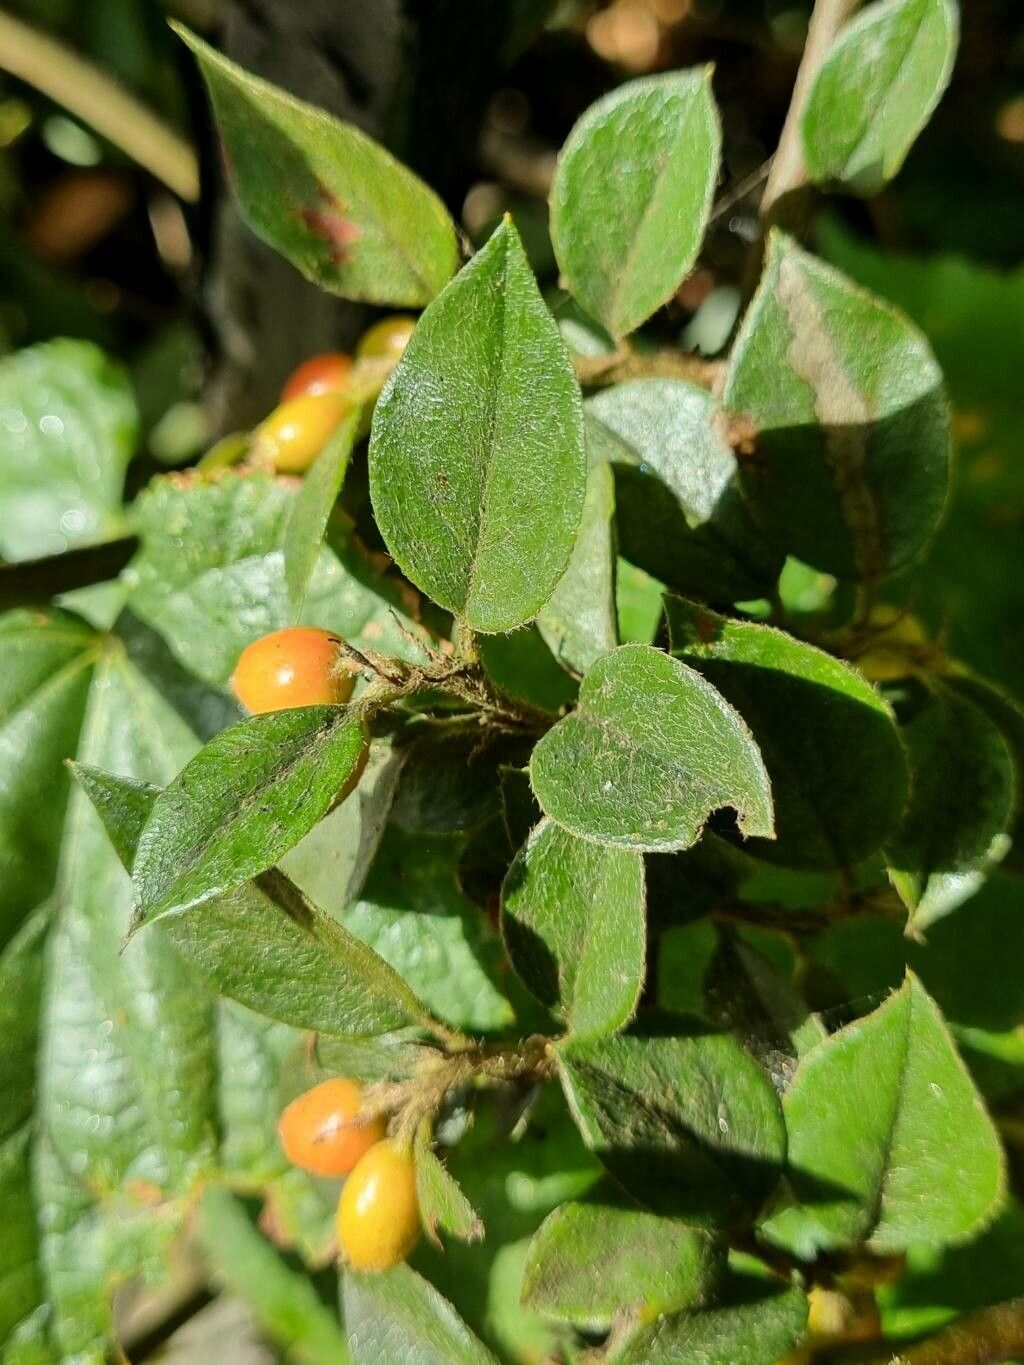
(413,1101)
(987,1337)
(600,371)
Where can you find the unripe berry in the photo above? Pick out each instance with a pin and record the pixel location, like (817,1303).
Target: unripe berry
(327,373)
(896,638)
(298,666)
(320,1130)
(295,433)
(387,339)
(378,1214)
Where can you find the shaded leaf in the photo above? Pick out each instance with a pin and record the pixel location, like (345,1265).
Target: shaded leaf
(758,1324)
(679,511)
(263,943)
(876,90)
(312,508)
(1008,718)
(829,742)
(523,665)
(210,576)
(632,194)
(650,752)
(69,426)
(590,1262)
(680,1116)
(961,805)
(327,197)
(397,1315)
(579,623)
(242,802)
(889,1142)
(573,921)
(477,464)
(414,914)
(450,779)
(851,457)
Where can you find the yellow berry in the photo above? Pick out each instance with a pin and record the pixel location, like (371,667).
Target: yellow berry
(295,433)
(378,1214)
(387,339)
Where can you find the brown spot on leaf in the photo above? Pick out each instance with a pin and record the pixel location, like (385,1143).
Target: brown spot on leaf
(326,219)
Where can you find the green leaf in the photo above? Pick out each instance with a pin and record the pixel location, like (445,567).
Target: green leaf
(850,422)
(282,1298)
(126,1079)
(638,604)
(450,779)
(242,802)
(397,1315)
(679,510)
(650,752)
(829,742)
(44,684)
(758,1324)
(632,195)
(312,509)
(889,1142)
(749,994)
(967,584)
(331,863)
(413,912)
(941,1283)
(263,943)
(210,576)
(477,463)
(331,200)
(680,1116)
(1008,718)
(443,1206)
(876,90)
(590,1262)
(523,665)
(961,805)
(578,623)
(574,925)
(69,426)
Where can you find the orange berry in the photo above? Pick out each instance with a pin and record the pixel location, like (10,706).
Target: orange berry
(321,1133)
(378,1214)
(327,373)
(387,339)
(299,666)
(295,433)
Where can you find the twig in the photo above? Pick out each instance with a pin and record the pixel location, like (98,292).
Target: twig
(90,94)
(988,1337)
(788,171)
(599,371)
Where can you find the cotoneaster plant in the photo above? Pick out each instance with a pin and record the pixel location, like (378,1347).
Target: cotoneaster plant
(630,970)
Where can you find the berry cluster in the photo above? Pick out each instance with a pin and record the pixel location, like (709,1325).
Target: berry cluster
(321,392)
(378,1213)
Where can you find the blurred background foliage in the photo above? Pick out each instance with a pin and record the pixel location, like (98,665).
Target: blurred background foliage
(94,245)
